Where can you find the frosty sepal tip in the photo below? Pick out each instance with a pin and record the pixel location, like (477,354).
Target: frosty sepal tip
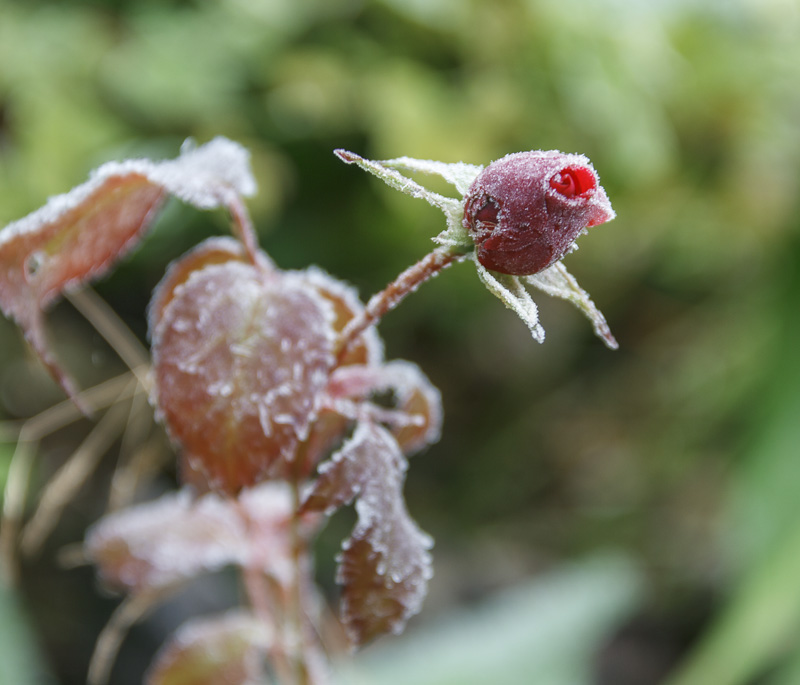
(459,174)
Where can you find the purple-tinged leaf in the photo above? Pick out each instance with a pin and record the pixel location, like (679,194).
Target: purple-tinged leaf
(209,651)
(77,236)
(414,395)
(385,565)
(161,543)
(241,358)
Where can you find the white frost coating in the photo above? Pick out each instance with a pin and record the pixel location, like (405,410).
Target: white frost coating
(514,296)
(404,379)
(558,282)
(459,174)
(371,467)
(204,177)
(201,176)
(166,541)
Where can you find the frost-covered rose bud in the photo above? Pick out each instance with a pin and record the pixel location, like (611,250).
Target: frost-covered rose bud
(525,211)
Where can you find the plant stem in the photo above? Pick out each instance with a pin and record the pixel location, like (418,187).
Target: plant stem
(296,617)
(394,293)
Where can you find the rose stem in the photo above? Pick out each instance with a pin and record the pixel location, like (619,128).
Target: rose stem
(394,293)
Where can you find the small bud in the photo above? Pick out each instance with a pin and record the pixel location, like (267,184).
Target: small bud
(525,211)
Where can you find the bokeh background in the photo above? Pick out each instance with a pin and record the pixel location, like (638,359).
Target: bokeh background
(622,518)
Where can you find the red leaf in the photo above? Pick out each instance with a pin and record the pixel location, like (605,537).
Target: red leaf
(384,565)
(241,358)
(209,651)
(210,251)
(77,236)
(414,396)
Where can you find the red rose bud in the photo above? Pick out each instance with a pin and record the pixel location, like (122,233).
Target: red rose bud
(525,211)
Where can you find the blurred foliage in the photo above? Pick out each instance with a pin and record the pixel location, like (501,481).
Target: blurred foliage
(682,448)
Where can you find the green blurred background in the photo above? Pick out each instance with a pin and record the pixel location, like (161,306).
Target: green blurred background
(646,499)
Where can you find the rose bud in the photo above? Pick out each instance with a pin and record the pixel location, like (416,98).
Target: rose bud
(525,211)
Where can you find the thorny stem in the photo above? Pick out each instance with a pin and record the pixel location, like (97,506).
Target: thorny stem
(394,293)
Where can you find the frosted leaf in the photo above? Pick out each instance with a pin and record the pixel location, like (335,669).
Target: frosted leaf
(158,544)
(79,235)
(514,296)
(413,394)
(368,347)
(241,358)
(209,651)
(384,565)
(211,251)
(558,282)
(458,174)
(395,179)
(203,176)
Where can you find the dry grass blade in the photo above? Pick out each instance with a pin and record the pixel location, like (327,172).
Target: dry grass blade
(106,322)
(19,474)
(131,610)
(71,476)
(64,413)
(139,454)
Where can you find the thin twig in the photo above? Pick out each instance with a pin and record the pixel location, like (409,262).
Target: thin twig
(394,293)
(64,413)
(131,610)
(109,325)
